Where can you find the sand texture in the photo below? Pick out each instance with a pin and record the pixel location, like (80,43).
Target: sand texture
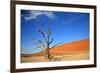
(78,50)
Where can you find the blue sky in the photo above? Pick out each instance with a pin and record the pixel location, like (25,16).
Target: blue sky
(65,26)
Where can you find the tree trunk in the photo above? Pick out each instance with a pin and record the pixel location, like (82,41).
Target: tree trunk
(48,56)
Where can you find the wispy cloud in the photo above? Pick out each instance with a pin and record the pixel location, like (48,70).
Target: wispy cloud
(35,14)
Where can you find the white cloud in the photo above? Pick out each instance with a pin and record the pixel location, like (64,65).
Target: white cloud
(35,14)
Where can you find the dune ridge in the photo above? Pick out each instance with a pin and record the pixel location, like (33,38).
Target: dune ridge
(79,46)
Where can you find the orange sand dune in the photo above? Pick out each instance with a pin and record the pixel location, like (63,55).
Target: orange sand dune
(78,50)
(68,48)
(73,47)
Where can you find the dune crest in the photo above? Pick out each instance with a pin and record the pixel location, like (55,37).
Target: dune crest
(73,47)
(69,48)
(78,50)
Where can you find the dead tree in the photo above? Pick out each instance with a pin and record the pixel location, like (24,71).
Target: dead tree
(46,47)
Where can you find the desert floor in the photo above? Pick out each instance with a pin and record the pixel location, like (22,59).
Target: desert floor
(69,57)
(78,50)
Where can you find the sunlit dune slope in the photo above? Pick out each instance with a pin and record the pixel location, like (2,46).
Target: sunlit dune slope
(69,48)
(73,47)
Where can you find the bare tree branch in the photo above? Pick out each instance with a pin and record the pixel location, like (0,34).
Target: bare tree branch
(55,45)
(43,34)
(51,41)
(46,47)
(36,47)
(41,47)
(49,30)
(48,37)
(40,42)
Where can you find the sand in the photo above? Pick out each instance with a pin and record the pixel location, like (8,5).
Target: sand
(78,50)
